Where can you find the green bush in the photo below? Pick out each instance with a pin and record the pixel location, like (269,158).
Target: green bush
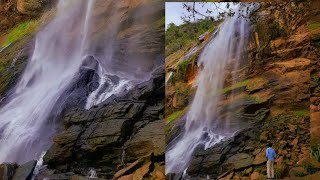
(277,31)
(315,152)
(186,35)
(181,72)
(311,169)
(302,113)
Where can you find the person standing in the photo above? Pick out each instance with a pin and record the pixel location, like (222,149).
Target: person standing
(271,155)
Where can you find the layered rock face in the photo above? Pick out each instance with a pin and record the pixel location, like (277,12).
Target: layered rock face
(126,133)
(121,138)
(315,76)
(273,94)
(119,131)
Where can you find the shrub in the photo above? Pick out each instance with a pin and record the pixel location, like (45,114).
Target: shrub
(311,169)
(277,31)
(181,72)
(315,152)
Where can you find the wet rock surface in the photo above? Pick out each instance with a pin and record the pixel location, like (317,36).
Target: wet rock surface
(16,172)
(120,129)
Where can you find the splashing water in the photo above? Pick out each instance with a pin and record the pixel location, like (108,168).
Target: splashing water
(92,173)
(202,127)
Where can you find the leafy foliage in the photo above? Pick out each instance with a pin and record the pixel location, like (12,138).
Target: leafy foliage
(277,31)
(315,152)
(302,113)
(185,35)
(181,72)
(311,169)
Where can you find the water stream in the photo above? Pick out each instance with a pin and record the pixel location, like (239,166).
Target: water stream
(62,48)
(203,126)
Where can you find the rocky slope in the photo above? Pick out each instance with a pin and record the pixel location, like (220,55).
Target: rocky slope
(272,92)
(121,138)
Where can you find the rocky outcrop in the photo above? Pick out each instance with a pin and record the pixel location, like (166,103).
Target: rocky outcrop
(7,171)
(112,134)
(25,171)
(272,93)
(244,154)
(315,76)
(15,172)
(32,7)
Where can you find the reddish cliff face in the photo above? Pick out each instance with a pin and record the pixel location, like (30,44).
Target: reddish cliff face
(277,76)
(314,27)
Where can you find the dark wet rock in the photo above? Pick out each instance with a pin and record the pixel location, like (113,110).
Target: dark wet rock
(7,171)
(25,171)
(175,176)
(97,137)
(151,138)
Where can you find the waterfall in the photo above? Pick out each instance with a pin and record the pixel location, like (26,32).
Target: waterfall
(25,131)
(123,155)
(202,127)
(61,50)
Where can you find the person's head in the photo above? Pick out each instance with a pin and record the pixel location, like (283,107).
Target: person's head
(269,144)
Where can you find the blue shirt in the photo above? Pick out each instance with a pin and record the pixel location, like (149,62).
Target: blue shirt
(271,154)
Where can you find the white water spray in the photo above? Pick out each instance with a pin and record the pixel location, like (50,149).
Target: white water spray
(27,124)
(25,131)
(202,126)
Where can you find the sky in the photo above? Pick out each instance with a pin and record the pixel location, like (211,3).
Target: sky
(175,10)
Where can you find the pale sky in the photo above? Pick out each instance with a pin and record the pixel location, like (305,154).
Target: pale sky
(175,10)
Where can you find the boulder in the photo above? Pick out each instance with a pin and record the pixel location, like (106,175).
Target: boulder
(260,158)
(227,177)
(7,171)
(255,176)
(31,7)
(239,161)
(297,172)
(25,171)
(151,138)
(140,173)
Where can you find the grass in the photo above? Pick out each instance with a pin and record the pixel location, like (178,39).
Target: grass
(176,115)
(302,113)
(315,152)
(181,71)
(235,86)
(314,25)
(20,31)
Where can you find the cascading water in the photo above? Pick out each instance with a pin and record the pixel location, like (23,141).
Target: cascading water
(202,126)
(57,56)
(61,49)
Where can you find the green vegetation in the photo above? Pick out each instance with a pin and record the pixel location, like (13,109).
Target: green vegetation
(181,72)
(235,86)
(314,25)
(182,95)
(277,31)
(20,31)
(300,174)
(310,168)
(186,35)
(315,152)
(176,115)
(302,113)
